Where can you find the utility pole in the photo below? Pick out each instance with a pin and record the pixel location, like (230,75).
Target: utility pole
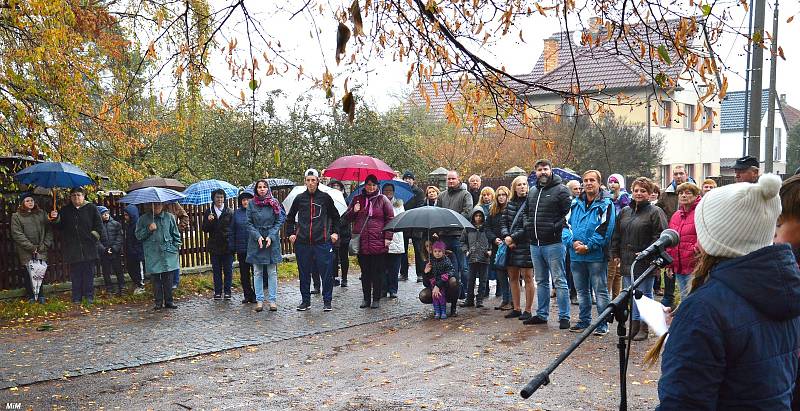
(769,141)
(754,144)
(747,79)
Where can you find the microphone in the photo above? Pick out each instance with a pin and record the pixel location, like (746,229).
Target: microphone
(668,238)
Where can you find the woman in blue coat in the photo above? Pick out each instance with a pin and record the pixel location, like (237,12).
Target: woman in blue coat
(733,342)
(265,216)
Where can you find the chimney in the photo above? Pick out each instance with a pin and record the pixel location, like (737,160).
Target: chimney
(550,54)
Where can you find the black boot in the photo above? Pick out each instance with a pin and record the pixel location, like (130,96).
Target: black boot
(453,312)
(364,304)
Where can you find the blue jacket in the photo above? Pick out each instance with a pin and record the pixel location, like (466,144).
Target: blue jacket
(133,247)
(593,226)
(240,234)
(262,222)
(733,343)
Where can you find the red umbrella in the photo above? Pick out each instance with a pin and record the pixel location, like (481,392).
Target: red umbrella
(357,168)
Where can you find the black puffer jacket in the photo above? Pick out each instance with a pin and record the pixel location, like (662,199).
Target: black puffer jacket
(111,237)
(220,237)
(547,207)
(520,254)
(638,226)
(80,228)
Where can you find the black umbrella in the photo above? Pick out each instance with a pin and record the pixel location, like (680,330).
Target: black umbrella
(428,218)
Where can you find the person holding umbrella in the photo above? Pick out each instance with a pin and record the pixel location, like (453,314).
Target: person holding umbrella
(265,216)
(313,227)
(80,222)
(217,223)
(32,237)
(161,241)
(370,212)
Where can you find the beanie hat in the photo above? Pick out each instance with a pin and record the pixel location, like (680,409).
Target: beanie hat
(408,174)
(102,210)
(439,245)
(737,219)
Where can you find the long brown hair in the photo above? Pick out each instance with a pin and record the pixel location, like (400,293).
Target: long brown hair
(704,264)
(496,208)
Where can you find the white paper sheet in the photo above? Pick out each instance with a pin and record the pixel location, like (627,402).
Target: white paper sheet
(652,312)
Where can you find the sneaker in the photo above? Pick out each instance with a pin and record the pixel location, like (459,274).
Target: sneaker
(217,297)
(598,332)
(259,307)
(336,282)
(513,314)
(364,304)
(577,328)
(479,304)
(227,297)
(563,324)
(392,295)
(535,320)
(171,306)
(303,306)
(467,303)
(327,307)
(273,307)
(525,316)
(344,283)
(156,308)
(315,291)
(138,290)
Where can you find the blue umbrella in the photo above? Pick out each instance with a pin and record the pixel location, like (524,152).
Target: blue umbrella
(200,192)
(53,174)
(566,175)
(151,195)
(402,190)
(274,183)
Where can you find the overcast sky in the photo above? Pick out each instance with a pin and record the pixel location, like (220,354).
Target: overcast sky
(384,81)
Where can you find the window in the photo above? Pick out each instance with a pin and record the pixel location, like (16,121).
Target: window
(689,171)
(777,156)
(706,170)
(708,113)
(666,176)
(665,114)
(688,117)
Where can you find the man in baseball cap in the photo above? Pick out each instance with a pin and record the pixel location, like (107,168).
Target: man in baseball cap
(746,169)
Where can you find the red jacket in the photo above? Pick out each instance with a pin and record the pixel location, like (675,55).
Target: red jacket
(683,254)
(372,234)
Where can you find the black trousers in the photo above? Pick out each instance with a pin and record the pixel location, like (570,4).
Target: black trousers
(373,271)
(162,288)
(341,259)
(134,267)
(246,277)
(112,264)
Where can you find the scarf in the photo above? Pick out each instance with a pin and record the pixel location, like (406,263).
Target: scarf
(268,200)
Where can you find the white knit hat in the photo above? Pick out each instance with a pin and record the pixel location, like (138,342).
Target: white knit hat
(737,219)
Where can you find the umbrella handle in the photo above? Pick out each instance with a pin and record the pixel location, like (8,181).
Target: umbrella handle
(49,217)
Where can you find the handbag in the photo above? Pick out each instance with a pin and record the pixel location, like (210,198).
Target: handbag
(501,258)
(355,241)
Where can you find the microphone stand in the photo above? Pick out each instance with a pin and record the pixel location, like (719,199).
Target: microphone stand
(619,309)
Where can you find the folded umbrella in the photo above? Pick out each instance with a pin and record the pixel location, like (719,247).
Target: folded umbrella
(200,192)
(151,195)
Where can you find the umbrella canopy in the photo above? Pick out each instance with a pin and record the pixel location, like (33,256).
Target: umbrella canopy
(336,195)
(274,183)
(52,174)
(402,190)
(151,195)
(357,168)
(200,192)
(162,182)
(566,175)
(428,218)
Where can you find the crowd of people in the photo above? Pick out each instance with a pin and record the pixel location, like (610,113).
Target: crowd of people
(577,241)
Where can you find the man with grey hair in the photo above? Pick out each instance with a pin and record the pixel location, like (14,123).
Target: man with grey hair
(458,199)
(574,188)
(474,187)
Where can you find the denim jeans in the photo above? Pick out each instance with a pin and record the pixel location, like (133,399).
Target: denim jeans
(222,263)
(502,285)
(684,281)
(549,260)
(272,282)
(459,260)
(393,262)
(315,258)
(596,274)
(646,287)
